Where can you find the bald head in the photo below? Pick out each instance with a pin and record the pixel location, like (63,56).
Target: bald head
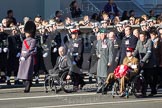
(61,51)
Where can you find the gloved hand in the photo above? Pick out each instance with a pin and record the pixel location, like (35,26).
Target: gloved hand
(5,50)
(22,59)
(45,54)
(134,66)
(74,63)
(141,63)
(35,50)
(54,50)
(117,59)
(99,56)
(0,50)
(18,55)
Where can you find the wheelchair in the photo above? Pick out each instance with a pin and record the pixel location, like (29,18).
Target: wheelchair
(134,86)
(57,82)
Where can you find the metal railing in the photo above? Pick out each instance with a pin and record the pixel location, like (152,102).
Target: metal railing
(90,5)
(137,4)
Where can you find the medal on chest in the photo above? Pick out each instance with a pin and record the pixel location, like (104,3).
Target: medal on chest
(104,45)
(76,45)
(127,42)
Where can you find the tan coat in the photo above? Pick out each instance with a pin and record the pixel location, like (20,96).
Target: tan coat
(129,62)
(132,61)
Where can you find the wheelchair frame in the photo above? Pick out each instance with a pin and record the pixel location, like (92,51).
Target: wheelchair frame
(134,86)
(55,81)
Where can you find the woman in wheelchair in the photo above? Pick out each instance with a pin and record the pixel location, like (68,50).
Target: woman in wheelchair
(124,72)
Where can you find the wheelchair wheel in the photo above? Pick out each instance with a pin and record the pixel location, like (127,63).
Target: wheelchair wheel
(50,84)
(137,86)
(115,89)
(66,85)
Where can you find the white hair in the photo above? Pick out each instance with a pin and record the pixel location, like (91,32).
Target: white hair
(61,47)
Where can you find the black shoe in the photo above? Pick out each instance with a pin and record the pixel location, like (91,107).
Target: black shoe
(26,91)
(37,82)
(82,85)
(104,92)
(17,82)
(90,79)
(8,82)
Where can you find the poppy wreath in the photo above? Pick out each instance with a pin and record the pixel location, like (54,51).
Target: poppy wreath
(120,71)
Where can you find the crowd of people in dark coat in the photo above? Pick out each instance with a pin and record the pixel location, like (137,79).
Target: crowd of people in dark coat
(107,45)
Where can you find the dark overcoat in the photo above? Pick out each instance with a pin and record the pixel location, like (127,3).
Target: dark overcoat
(130,41)
(75,52)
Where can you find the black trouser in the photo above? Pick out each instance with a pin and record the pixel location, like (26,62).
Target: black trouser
(160,75)
(151,78)
(3,62)
(37,68)
(39,64)
(77,79)
(28,84)
(12,65)
(54,57)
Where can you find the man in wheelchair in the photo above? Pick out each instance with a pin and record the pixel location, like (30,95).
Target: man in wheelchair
(63,63)
(124,72)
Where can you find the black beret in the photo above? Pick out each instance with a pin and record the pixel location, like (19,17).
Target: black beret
(30,27)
